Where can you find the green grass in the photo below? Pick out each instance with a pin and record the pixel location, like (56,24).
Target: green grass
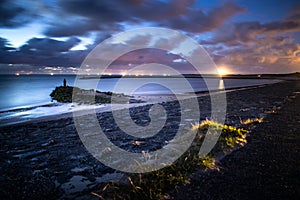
(230,136)
(158,184)
(209,162)
(252,121)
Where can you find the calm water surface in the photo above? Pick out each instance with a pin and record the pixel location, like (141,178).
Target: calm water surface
(29,90)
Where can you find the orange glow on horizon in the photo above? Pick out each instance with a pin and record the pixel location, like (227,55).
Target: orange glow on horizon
(223,71)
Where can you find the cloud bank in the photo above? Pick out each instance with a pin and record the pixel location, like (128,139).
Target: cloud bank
(266,46)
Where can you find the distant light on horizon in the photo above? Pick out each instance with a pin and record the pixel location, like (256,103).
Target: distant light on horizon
(123,73)
(223,71)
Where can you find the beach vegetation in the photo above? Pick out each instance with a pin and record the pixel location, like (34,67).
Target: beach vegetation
(158,184)
(209,162)
(251,121)
(230,136)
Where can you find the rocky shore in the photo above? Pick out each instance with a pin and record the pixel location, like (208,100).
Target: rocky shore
(47,160)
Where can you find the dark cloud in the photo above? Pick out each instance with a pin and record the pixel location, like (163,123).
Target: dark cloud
(197,21)
(126,10)
(156,11)
(5,45)
(108,15)
(42,51)
(70,28)
(101,10)
(78,27)
(245,32)
(5,51)
(93,15)
(285,26)
(47,46)
(235,34)
(13,14)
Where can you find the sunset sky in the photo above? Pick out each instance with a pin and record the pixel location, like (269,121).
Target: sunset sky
(243,36)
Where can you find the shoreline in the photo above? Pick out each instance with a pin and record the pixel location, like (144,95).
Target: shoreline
(50,103)
(99,108)
(48,157)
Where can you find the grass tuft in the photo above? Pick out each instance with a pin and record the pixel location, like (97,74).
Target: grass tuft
(209,162)
(230,136)
(157,184)
(251,121)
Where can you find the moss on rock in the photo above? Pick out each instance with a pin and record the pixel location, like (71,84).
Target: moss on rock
(65,95)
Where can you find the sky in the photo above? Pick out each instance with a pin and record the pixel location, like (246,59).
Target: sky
(243,36)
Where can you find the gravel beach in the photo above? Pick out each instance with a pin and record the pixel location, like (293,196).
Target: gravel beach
(45,159)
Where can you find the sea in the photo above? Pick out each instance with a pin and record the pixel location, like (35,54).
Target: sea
(27,97)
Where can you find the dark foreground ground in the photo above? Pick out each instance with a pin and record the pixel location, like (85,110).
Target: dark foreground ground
(46,159)
(268,167)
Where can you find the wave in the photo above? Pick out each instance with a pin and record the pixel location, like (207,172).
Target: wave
(30,112)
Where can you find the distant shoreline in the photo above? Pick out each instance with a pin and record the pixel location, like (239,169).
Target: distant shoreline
(286,76)
(290,76)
